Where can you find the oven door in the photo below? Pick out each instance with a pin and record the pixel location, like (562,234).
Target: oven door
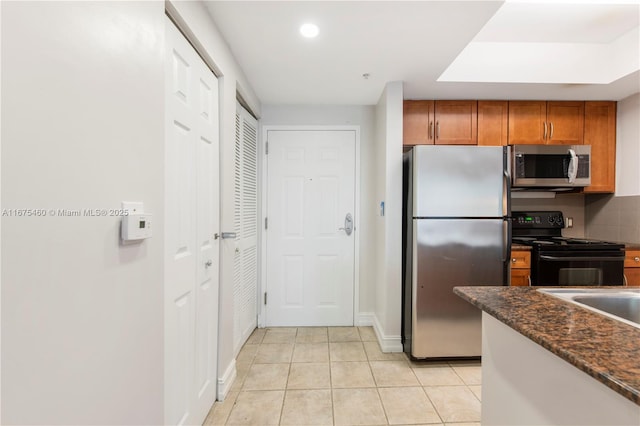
(577,268)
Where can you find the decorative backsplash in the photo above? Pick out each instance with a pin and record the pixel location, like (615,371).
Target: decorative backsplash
(608,217)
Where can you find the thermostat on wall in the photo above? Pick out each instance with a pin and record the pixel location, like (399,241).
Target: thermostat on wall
(136,225)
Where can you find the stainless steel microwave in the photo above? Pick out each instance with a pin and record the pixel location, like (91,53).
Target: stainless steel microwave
(550,166)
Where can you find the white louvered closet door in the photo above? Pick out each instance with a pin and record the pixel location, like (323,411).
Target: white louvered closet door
(245,261)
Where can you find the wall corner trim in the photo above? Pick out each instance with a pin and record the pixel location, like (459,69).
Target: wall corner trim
(365,319)
(226,381)
(387,343)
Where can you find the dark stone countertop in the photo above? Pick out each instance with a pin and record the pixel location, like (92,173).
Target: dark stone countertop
(606,349)
(520,247)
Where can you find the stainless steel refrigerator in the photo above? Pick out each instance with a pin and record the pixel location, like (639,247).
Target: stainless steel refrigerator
(456,232)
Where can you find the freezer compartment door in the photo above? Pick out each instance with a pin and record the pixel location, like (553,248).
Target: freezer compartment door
(460,181)
(446,254)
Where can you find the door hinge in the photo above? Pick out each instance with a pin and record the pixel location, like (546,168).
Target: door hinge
(265,297)
(266,223)
(266,148)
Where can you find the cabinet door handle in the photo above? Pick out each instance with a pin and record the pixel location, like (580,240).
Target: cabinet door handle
(437,130)
(431,130)
(544,136)
(529,279)
(551,132)
(636,259)
(626,283)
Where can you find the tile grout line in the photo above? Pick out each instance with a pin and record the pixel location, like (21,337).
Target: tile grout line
(432,403)
(375,382)
(422,387)
(465,383)
(286,384)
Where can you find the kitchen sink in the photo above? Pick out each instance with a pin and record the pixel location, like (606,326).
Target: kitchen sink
(620,304)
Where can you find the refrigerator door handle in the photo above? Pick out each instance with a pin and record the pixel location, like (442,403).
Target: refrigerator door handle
(506,191)
(506,247)
(506,244)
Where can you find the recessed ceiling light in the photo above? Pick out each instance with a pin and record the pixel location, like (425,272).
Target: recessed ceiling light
(309,30)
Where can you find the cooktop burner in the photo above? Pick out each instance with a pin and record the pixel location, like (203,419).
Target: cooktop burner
(568,240)
(562,242)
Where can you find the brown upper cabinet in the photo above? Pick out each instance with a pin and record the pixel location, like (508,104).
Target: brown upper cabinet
(600,133)
(440,123)
(417,121)
(492,122)
(540,122)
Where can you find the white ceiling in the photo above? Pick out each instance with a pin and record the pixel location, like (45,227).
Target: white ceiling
(478,49)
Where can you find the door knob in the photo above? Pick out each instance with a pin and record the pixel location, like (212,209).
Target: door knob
(208,263)
(348,224)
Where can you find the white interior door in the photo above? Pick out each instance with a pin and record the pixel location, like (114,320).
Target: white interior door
(309,258)
(192,217)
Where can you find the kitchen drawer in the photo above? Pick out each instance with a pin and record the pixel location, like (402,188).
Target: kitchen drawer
(520,277)
(632,259)
(632,276)
(520,259)
(520,267)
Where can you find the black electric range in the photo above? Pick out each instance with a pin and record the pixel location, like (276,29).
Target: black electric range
(565,261)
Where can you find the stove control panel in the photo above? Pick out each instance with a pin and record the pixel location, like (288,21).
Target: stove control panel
(538,220)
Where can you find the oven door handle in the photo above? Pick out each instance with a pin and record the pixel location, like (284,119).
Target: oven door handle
(582,258)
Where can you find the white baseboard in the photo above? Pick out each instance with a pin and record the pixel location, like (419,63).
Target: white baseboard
(226,381)
(388,343)
(243,338)
(364,319)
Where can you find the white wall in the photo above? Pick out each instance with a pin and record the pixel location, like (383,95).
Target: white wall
(194,19)
(364,117)
(628,146)
(387,320)
(82,115)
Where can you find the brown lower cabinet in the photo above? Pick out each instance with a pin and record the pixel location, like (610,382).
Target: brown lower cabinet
(520,268)
(632,267)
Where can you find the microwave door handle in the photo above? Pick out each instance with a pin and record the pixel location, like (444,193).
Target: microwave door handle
(572,170)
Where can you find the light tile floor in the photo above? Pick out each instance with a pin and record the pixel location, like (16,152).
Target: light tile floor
(339,376)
